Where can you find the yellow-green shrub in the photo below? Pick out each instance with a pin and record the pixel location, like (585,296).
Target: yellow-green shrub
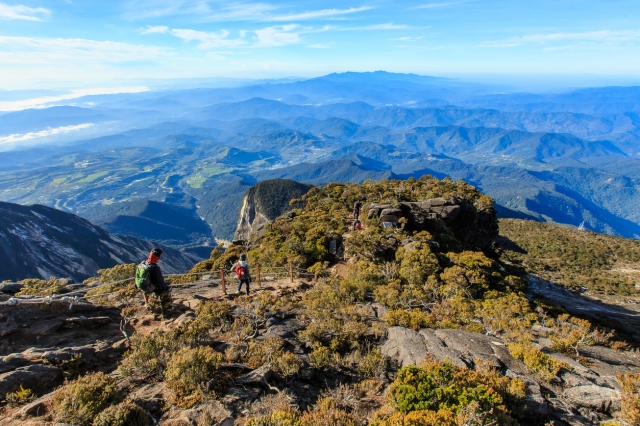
(123,414)
(436,386)
(80,401)
(149,355)
(372,364)
(37,287)
(544,367)
(20,397)
(630,397)
(189,369)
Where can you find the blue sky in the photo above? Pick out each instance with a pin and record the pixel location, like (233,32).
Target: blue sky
(89,42)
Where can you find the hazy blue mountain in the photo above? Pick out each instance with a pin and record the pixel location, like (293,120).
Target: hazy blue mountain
(152,220)
(40,242)
(567,157)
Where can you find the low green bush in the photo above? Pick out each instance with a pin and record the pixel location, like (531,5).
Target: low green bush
(81,400)
(123,414)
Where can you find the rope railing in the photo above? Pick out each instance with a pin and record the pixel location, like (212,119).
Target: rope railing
(268,273)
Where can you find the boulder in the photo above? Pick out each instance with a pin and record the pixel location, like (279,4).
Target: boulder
(475,228)
(405,346)
(594,397)
(37,377)
(13,361)
(10,288)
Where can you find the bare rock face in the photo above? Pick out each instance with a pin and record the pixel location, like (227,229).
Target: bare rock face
(472,227)
(264,202)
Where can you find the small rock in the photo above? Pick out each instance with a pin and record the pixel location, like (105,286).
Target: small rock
(86,322)
(36,408)
(594,397)
(541,331)
(227,422)
(259,376)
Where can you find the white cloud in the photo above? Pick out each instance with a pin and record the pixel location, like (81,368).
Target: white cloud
(47,100)
(438,5)
(324,13)
(16,137)
(23,13)
(320,46)
(39,50)
(210,40)
(607,37)
(154,29)
(383,27)
(277,36)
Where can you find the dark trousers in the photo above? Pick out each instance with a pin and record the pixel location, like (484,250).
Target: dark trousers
(246,282)
(166,304)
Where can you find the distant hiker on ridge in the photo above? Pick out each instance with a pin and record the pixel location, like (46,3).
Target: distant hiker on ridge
(357,225)
(356,210)
(150,281)
(241,268)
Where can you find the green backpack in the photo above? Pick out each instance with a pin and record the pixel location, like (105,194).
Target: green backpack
(143,277)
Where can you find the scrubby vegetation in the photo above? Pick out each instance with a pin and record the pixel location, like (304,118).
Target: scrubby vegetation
(389,276)
(38,287)
(80,401)
(441,393)
(597,262)
(123,414)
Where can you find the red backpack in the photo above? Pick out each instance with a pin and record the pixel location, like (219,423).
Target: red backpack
(240,271)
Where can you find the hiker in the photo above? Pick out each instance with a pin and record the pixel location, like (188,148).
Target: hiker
(356,210)
(149,279)
(241,268)
(357,225)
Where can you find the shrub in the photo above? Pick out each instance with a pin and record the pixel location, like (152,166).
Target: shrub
(372,364)
(544,367)
(123,414)
(630,397)
(282,417)
(149,355)
(188,370)
(20,397)
(80,401)
(437,386)
(37,287)
(320,357)
(210,315)
(269,351)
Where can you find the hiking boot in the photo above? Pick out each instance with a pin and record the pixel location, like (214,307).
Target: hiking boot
(238,293)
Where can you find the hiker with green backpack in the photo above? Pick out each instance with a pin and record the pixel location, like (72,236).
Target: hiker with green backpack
(150,281)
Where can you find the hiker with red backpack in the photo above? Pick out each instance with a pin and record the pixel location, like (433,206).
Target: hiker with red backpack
(150,281)
(241,268)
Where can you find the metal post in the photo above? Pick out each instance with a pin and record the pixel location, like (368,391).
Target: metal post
(258,275)
(222,281)
(291,271)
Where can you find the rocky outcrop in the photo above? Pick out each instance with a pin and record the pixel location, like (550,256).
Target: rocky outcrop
(41,242)
(264,202)
(581,395)
(474,228)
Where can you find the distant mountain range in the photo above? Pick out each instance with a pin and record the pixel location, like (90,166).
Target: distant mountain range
(40,242)
(173,166)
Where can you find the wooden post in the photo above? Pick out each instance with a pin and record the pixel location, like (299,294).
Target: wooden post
(258,275)
(222,281)
(315,277)
(291,271)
